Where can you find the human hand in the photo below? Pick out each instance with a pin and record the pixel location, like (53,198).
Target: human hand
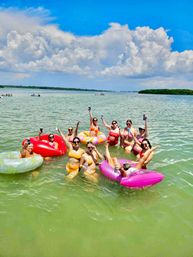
(144,117)
(89,109)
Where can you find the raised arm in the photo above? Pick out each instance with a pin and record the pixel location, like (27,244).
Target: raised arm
(90,114)
(65,140)
(146,131)
(76,129)
(98,153)
(39,134)
(104,123)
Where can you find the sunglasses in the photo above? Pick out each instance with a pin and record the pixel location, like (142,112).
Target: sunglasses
(70,129)
(144,144)
(89,147)
(76,142)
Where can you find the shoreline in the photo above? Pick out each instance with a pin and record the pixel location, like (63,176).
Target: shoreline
(167,91)
(55,88)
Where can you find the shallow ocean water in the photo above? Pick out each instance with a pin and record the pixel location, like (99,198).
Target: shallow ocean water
(43,214)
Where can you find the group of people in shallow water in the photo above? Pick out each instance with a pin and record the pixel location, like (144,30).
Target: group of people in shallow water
(88,159)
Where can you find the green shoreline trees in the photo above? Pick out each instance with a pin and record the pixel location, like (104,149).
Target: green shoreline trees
(167,91)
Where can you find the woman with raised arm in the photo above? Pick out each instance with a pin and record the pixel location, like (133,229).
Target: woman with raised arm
(127,137)
(145,146)
(72,133)
(89,162)
(74,154)
(142,134)
(125,168)
(50,140)
(94,128)
(114,131)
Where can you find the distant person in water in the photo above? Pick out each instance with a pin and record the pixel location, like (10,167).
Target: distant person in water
(50,140)
(72,133)
(126,169)
(27,149)
(114,131)
(94,128)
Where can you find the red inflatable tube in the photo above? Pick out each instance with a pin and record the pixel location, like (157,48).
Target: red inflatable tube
(45,149)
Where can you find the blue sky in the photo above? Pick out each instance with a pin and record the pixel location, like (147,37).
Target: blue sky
(152,43)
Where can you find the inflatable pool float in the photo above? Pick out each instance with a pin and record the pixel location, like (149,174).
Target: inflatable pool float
(11,163)
(43,147)
(85,138)
(138,179)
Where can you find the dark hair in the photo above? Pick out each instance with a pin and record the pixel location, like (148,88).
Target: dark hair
(145,140)
(129,121)
(126,166)
(89,143)
(95,119)
(76,138)
(114,121)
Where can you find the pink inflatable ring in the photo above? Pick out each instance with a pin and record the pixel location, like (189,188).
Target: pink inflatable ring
(137,180)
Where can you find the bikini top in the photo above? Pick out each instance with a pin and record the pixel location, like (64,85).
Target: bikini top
(128,133)
(76,154)
(113,134)
(94,128)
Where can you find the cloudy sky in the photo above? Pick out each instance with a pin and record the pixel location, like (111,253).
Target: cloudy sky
(109,44)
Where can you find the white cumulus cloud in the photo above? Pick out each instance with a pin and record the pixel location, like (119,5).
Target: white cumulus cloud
(30,43)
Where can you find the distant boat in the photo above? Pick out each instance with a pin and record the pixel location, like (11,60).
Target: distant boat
(37,95)
(9,95)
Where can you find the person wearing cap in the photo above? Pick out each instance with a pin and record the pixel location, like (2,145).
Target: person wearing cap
(27,150)
(142,134)
(72,133)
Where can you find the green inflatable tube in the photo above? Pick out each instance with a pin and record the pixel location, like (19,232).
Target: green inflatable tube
(11,163)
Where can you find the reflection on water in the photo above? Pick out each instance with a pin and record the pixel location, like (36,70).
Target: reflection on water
(79,217)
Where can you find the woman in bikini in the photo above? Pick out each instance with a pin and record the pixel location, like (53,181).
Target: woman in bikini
(74,156)
(27,150)
(72,133)
(114,132)
(89,162)
(143,133)
(126,168)
(94,128)
(127,137)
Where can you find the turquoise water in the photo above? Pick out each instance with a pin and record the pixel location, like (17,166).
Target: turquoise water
(42,214)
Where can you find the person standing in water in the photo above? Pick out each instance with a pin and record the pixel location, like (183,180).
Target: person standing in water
(127,137)
(72,133)
(89,162)
(74,155)
(94,128)
(114,131)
